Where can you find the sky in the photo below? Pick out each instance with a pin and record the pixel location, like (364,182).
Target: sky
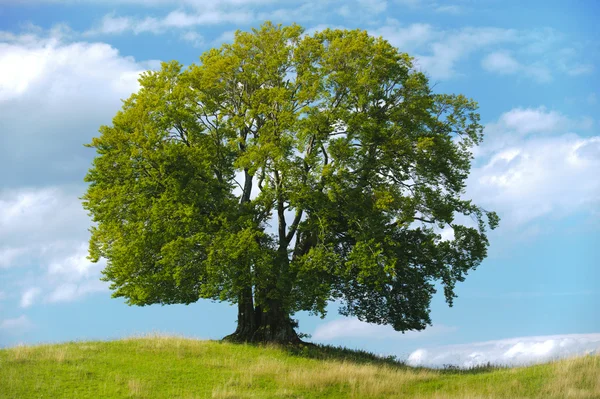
(533,67)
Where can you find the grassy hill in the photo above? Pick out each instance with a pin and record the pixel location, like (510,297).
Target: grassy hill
(167,367)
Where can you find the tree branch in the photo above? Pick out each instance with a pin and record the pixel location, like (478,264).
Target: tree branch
(294,226)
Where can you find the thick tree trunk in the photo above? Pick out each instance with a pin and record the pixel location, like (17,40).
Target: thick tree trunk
(275,326)
(258,326)
(246,321)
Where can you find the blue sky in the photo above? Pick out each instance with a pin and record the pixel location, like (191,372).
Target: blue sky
(533,67)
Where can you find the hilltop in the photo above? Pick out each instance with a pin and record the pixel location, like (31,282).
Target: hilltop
(171,367)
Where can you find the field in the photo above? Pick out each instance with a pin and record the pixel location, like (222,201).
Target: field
(171,367)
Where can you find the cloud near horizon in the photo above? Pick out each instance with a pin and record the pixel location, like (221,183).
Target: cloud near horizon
(508,352)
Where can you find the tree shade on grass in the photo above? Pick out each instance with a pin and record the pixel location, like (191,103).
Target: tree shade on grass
(285,171)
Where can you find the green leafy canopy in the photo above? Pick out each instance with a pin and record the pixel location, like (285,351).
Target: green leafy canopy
(304,168)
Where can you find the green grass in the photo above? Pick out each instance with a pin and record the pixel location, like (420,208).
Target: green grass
(168,367)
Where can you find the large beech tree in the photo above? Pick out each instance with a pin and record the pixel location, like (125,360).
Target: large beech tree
(285,171)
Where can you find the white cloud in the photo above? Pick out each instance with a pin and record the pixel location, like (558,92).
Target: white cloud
(57,69)
(224,37)
(29,296)
(503,63)
(56,95)
(450,9)
(16,325)
(439,51)
(34,217)
(447,234)
(69,275)
(455,45)
(568,60)
(54,225)
(510,352)
(354,328)
(9,255)
(75,266)
(406,38)
(194,38)
(112,24)
(541,176)
(534,120)
(177,19)
(530,165)
(513,126)
(373,6)
(71,291)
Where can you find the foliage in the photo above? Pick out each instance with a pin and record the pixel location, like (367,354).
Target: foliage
(285,171)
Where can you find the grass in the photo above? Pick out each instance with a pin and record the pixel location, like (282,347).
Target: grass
(171,367)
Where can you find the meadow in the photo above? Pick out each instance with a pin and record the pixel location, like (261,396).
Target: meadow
(174,367)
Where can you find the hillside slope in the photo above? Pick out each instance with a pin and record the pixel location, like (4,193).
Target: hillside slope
(167,367)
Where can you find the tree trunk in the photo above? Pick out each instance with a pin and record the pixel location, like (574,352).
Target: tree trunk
(246,321)
(258,326)
(275,326)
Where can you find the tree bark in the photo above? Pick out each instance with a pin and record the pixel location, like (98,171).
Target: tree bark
(246,321)
(256,325)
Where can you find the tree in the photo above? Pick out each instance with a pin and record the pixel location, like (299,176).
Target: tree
(283,172)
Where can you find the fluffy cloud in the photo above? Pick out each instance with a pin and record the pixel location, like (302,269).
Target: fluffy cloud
(37,218)
(8,256)
(193,37)
(407,38)
(438,51)
(45,231)
(503,63)
(445,53)
(354,328)
(567,61)
(29,297)
(511,352)
(71,291)
(53,97)
(518,124)
(373,6)
(529,158)
(534,120)
(112,24)
(74,276)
